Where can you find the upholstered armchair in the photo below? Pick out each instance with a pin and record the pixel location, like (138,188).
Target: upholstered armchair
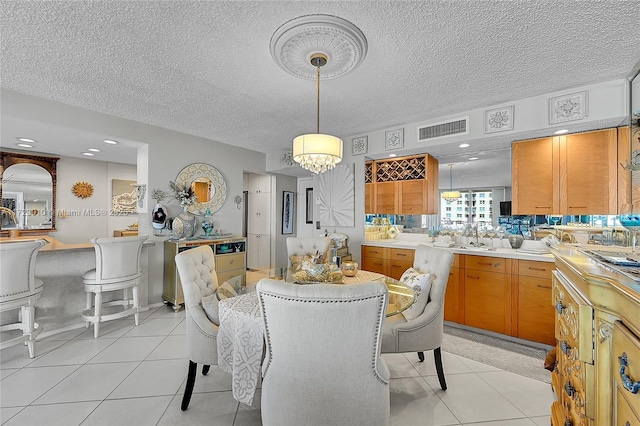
(322,364)
(196,268)
(19,289)
(425,331)
(298,248)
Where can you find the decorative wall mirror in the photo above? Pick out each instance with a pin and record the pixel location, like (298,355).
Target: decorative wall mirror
(28,192)
(207,183)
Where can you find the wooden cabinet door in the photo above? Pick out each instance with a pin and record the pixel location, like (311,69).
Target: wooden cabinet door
(532,173)
(369,198)
(413,197)
(536,319)
(487,300)
(588,173)
(259,213)
(452,297)
(386,198)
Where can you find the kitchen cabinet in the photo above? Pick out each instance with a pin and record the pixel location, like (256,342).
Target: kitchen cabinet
(452,303)
(487,293)
(531,290)
(405,185)
(258,251)
(375,259)
(259,183)
(399,261)
(260,203)
(573,174)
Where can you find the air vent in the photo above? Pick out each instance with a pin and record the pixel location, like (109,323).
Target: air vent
(455,127)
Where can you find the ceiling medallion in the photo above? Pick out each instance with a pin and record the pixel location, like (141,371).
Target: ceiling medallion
(295,41)
(82,189)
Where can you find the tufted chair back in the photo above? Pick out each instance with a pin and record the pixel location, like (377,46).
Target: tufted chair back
(197,267)
(324,367)
(425,332)
(309,246)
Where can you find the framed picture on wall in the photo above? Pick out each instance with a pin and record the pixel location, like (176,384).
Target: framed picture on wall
(309,205)
(287,212)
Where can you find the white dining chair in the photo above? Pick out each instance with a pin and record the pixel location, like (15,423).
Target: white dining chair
(20,289)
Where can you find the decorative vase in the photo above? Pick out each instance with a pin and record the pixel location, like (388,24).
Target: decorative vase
(184,225)
(516,241)
(349,268)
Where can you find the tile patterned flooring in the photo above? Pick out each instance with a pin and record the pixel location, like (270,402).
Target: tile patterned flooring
(136,376)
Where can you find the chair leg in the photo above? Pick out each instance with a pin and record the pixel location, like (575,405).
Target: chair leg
(96,313)
(205,369)
(191,380)
(89,297)
(28,327)
(437,354)
(135,304)
(421,356)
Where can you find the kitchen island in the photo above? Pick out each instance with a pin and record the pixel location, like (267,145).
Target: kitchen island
(503,291)
(60,266)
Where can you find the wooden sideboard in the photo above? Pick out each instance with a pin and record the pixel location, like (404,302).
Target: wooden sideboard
(230,262)
(598,353)
(125,233)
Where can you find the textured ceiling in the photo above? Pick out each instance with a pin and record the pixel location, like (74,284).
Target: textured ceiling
(204,67)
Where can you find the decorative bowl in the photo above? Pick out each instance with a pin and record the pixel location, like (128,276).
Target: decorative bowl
(349,268)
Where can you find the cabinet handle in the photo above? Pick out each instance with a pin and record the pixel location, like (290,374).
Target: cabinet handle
(544,286)
(485,263)
(577,207)
(543,207)
(537,269)
(559,306)
(472,277)
(569,389)
(401,254)
(627,382)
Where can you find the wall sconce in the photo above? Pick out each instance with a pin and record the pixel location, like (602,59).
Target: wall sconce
(238,201)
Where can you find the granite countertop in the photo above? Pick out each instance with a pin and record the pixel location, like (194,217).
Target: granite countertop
(411,241)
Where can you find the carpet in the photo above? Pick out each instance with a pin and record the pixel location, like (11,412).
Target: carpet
(507,355)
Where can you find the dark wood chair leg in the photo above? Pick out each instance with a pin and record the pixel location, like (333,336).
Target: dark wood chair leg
(421,356)
(191,380)
(205,369)
(438,358)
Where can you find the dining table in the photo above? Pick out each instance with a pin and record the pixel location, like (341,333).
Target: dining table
(240,341)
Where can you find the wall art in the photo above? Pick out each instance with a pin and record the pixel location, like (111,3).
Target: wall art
(569,107)
(498,119)
(394,139)
(287,212)
(337,200)
(124,196)
(359,145)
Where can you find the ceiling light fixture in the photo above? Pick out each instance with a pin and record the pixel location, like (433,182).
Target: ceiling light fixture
(27,140)
(451,195)
(473,158)
(317,152)
(464,145)
(24,145)
(561,131)
(393,155)
(110,142)
(93,150)
(88,154)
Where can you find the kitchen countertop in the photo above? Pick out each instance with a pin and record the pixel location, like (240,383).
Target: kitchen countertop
(411,241)
(56,245)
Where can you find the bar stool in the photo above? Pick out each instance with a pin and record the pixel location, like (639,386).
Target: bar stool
(19,288)
(117,268)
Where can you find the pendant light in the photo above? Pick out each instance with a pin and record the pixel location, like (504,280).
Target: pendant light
(450,196)
(317,152)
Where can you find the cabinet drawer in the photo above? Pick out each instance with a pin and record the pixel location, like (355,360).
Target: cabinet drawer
(229,261)
(373,264)
(485,263)
(401,254)
(627,343)
(373,251)
(623,411)
(531,268)
(397,268)
(574,317)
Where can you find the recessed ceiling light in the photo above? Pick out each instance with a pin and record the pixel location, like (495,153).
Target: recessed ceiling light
(464,145)
(473,158)
(27,140)
(93,150)
(110,142)
(88,154)
(24,145)
(561,131)
(393,155)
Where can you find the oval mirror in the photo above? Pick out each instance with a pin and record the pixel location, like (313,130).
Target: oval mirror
(207,183)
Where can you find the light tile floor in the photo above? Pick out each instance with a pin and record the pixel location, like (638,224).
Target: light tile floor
(136,376)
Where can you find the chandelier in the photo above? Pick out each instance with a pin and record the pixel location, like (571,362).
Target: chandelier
(317,152)
(450,196)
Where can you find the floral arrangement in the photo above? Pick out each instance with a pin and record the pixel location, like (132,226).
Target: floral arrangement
(184,194)
(158,195)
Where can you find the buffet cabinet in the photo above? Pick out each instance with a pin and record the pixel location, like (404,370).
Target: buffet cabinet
(597,324)
(230,264)
(506,296)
